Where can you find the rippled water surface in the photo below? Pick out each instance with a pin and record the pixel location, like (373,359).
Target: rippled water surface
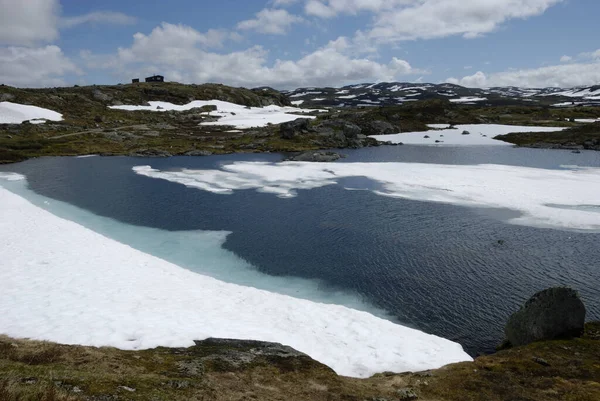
(452,271)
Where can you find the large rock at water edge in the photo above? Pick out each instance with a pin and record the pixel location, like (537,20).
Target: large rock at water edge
(553,313)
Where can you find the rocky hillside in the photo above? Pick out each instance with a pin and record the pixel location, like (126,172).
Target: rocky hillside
(91,127)
(395,93)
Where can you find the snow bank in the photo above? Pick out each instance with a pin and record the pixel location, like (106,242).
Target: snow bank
(547,198)
(468,99)
(231,114)
(14,113)
(480,134)
(62,282)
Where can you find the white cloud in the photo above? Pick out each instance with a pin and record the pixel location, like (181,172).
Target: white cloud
(565,59)
(564,76)
(176,52)
(283,3)
(28,22)
(592,55)
(45,66)
(430,19)
(397,20)
(106,17)
(270,21)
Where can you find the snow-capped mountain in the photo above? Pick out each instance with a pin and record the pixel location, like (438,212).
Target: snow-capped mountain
(393,93)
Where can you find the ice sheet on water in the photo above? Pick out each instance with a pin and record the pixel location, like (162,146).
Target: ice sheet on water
(527,190)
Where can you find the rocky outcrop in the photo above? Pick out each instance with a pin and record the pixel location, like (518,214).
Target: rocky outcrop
(319,156)
(294,128)
(550,314)
(150,153)
(348,129)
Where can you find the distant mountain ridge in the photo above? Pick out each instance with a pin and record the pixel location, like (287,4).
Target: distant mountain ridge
(394,93)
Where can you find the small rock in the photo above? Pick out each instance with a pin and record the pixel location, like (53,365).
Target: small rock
(407,394)
(426,137)
(576,151)
(466,132)
(178,384)
(130,389)
(316,156)
(438,141)
(540,361)
(29,380)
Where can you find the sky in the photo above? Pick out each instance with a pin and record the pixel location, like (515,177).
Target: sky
(288,44)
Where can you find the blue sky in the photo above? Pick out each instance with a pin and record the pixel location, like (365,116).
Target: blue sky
(293,43)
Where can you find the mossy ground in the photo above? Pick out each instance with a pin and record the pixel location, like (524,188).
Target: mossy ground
(566,370)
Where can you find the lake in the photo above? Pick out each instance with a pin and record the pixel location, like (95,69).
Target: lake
(450,270)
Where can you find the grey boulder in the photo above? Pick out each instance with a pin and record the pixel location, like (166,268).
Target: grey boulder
(292,128)
(550,314)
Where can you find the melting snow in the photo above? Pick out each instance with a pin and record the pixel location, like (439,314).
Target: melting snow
(231,114)
(468,99)
(479,134)
(62,282)
(531,191)
(14,113)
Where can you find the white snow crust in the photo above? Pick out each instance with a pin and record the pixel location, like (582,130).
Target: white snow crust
(15,113)
(563,199)
(231,114)
(468,99)
(480,134)
(62,282)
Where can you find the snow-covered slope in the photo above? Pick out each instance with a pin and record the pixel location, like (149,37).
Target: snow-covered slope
(65,283)
(393,93)
(230,113)
(14,113)
(462,135)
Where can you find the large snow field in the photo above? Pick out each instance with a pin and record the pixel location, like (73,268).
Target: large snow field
(231,114)
(15,113)
(479,134)
(60,281)
(566,199)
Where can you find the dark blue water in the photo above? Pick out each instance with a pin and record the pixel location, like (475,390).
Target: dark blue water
(436,267)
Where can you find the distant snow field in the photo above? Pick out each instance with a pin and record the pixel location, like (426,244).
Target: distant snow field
(479,134)
(468,99)
(231,114)
(566,199)
(62,282)
(15,113)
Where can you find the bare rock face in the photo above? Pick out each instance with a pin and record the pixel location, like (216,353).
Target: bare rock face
(550,314)
(291,129)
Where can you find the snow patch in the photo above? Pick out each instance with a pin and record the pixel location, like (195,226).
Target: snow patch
(15,113)
(11,176)
(468,99)
(231,114)
(479,134)
(62,282)
(528,190)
